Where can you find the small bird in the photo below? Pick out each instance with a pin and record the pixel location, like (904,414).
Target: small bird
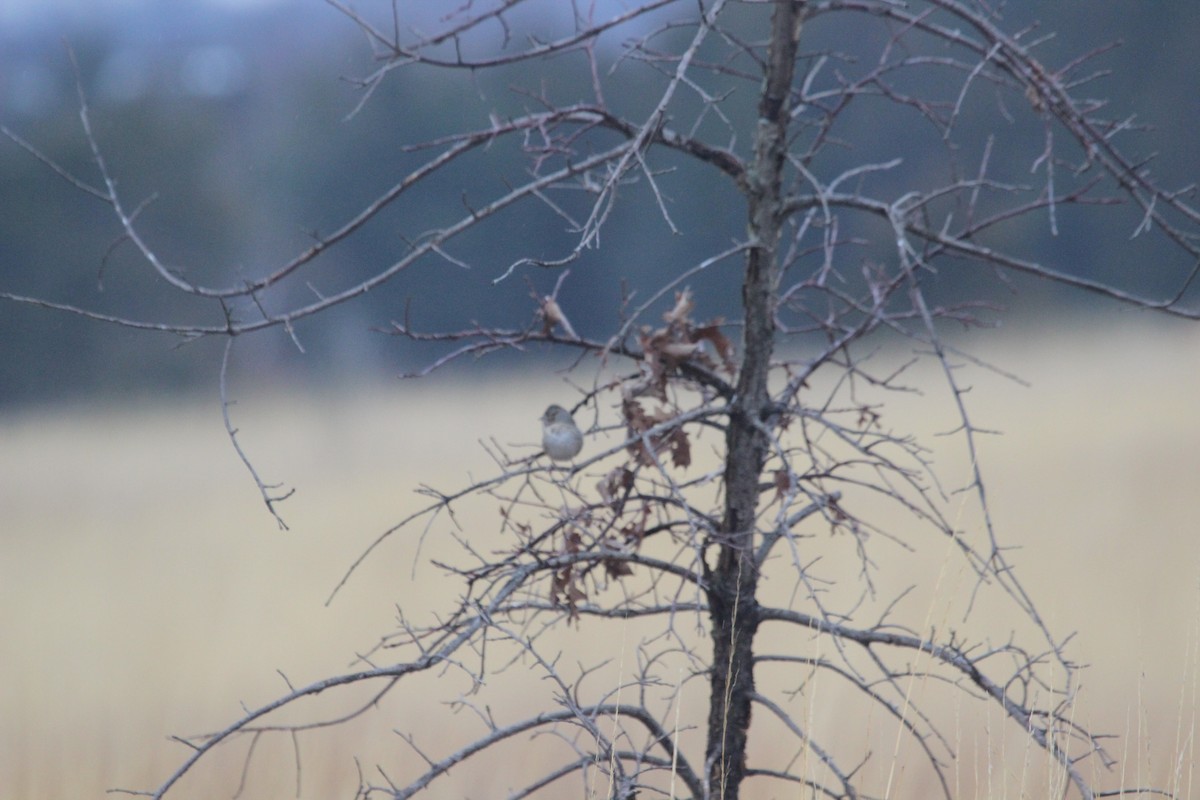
(560,436)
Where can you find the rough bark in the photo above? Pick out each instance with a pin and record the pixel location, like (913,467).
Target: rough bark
(733,582)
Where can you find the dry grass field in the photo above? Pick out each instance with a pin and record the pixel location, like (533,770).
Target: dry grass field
(144,591)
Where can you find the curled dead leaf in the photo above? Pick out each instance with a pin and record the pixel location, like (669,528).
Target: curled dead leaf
(682,309)
(783,484)
(680,351)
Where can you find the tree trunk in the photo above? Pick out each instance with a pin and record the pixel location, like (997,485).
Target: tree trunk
(734,581)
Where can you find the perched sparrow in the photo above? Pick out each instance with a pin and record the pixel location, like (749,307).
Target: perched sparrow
(560,436)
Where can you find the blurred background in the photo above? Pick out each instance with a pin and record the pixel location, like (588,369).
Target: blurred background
(242,121)
(144,590)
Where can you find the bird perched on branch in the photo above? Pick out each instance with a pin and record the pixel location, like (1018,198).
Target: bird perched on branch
(561,438)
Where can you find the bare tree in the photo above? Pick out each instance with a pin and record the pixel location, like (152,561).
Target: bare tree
(729,447)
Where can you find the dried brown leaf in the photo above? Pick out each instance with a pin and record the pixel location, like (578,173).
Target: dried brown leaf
(783,484)
(680,351)
(616,568)
(712,334)
(615,485)
(681,448)
(679,314)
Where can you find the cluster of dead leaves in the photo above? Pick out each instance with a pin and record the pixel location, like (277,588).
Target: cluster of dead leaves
(680,340)
(568,585)
(664,350)
(646,446)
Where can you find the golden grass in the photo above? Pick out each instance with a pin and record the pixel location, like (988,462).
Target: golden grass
(144,590)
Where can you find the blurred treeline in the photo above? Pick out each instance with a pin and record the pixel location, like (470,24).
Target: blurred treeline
(241,125)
